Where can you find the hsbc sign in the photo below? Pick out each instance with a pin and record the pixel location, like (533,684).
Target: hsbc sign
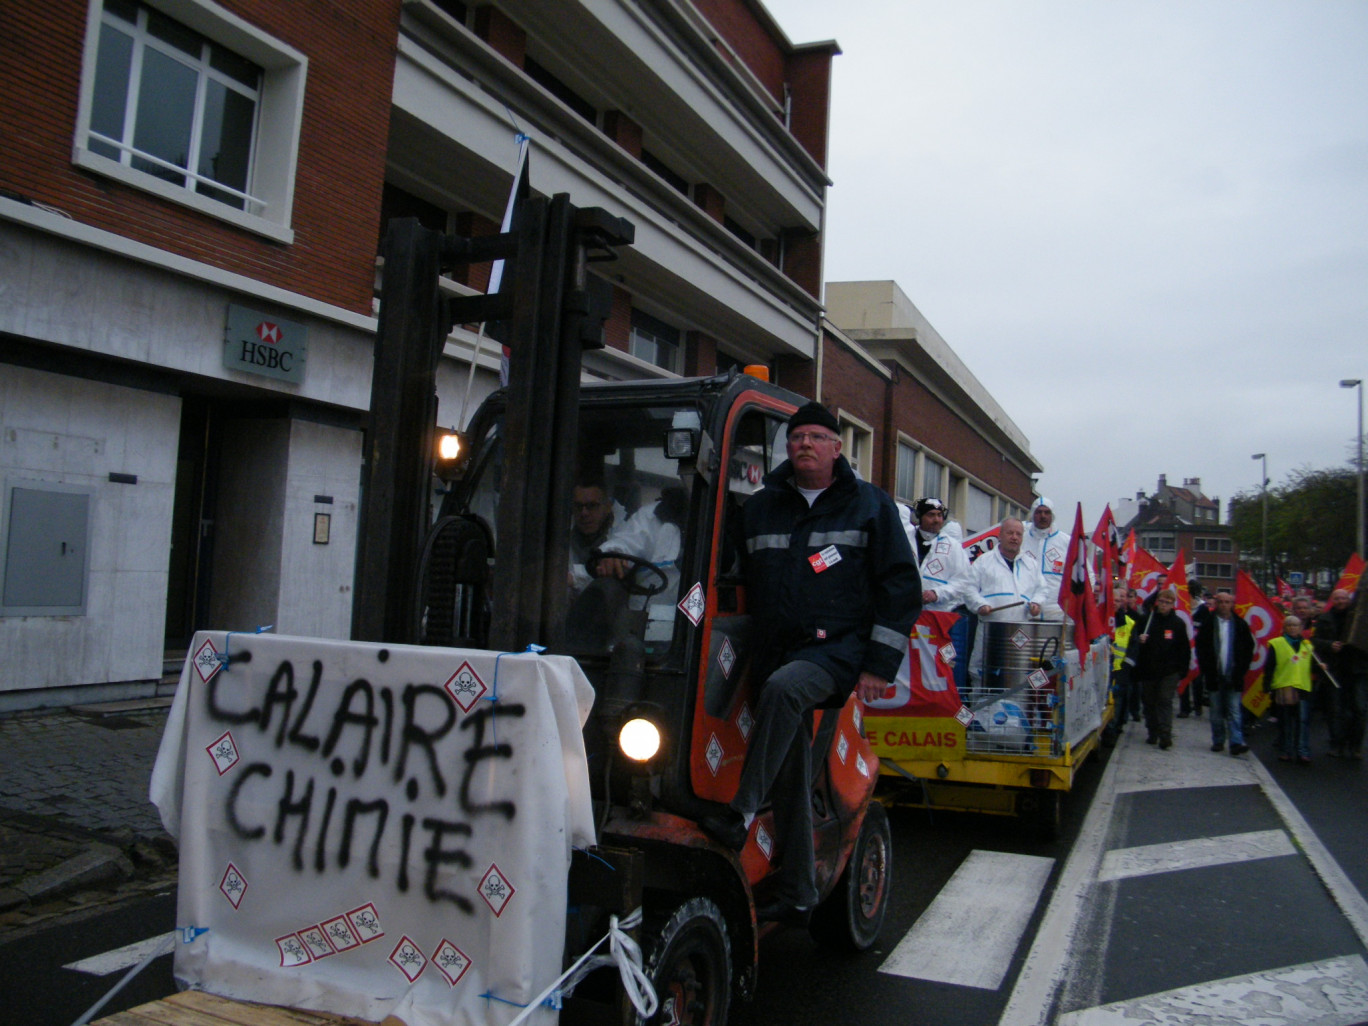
(259,343)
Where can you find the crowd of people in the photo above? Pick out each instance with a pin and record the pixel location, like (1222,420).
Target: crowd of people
(1309,670)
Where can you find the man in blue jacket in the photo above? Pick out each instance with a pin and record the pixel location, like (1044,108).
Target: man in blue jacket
(835,592)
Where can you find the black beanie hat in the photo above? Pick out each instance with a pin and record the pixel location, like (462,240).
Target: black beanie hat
(814,413)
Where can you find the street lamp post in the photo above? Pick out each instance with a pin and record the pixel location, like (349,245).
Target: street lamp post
(1358,463)
(1263,488)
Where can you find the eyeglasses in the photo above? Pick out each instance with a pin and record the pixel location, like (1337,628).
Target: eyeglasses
(799,437)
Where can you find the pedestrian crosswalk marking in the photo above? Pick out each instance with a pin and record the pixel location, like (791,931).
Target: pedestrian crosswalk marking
(968,935)
(120,958)
(1145,860)
(1332,992)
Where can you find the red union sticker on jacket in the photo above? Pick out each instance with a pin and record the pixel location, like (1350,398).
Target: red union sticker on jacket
(828,557)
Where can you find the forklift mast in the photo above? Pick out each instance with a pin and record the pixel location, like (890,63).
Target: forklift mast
(549,310)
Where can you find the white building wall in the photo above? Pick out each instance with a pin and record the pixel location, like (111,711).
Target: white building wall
(62,430)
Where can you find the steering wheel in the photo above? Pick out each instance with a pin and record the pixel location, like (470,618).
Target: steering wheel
(630,583)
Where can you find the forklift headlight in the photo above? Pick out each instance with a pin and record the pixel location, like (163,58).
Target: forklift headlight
(453,449)
(639,739)
(681,443)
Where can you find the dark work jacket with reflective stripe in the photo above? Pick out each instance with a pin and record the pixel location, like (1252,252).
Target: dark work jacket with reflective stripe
(856,614)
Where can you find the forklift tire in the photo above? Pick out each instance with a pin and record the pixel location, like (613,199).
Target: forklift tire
(853,913)
(689,963)
(1044,811)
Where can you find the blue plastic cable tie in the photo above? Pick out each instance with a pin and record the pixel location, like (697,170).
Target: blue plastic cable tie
(223,656)
(494,695)
(190,933)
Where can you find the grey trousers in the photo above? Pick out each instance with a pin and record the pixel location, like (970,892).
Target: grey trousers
(779,764)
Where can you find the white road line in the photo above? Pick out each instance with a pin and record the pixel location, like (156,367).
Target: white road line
(1333,992)
(1147,859)
(1047,960)
(120,958)
(968,935)
(1341,888)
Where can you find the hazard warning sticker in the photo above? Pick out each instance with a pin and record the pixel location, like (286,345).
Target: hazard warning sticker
(317,942)
(964,715)
(292,951)
(224,752)
(935,566)
(233,885)
(450,961)
(744,721)
(726,658)
(713,753)
(861,765)
(857,718)
(1020,640)
(408,959)
(764,841)
(1038,678)
(496,890)
(842,748)
(693,606)
(206,661)
(465,687)
(341,934)
(366,922)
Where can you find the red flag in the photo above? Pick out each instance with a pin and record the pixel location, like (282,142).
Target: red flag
(1353,570)
(1128,552)
(1177,580)
(1107,536)
(1075,590)
(1145,572)
(1284,589)
(1265,622)
(925,683)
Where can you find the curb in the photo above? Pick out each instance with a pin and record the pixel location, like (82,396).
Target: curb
(101,864)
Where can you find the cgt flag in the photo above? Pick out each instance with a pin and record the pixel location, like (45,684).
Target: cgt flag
(1178,581)
(1146,573)
(1075,590)
(1265,622)
(1353,570)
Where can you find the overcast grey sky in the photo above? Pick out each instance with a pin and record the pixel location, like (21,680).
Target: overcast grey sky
(1143,225)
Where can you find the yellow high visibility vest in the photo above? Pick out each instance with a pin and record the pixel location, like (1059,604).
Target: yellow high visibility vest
(1294,667)
(1120,639)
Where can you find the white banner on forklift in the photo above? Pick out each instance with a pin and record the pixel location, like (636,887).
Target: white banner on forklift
(372,829)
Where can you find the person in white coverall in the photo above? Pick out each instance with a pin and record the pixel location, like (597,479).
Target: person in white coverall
(1002,577)
(940,557)
(1047,548)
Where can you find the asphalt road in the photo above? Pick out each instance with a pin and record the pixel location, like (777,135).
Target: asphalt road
(801,983)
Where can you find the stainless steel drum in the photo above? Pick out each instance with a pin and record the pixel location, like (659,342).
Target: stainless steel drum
(1013,649)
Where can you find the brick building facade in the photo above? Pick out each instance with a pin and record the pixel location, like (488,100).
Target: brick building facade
(189,228)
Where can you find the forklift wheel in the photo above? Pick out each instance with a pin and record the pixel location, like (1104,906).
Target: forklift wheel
(689,962)
(853,913)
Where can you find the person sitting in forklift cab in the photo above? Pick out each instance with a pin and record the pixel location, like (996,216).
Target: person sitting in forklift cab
(835,592)
(592,516)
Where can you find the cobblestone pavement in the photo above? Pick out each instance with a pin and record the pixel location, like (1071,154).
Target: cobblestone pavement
(76,826)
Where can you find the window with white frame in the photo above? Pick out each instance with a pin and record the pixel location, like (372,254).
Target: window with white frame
(186,100)
(978,510)
(857,445)
(933,477)
(907,473)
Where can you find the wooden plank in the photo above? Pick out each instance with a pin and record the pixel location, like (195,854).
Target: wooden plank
(198,1008)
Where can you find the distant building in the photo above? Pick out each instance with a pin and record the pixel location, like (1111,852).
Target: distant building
(1183,519)
(916,419)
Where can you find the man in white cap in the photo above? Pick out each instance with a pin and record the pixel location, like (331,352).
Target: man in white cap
(940,557)
(1046,548)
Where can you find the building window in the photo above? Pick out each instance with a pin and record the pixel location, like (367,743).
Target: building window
(907,473)
(202,109)
(1215,570)
(857,446)
(978,510)
(655,341)
(933,479)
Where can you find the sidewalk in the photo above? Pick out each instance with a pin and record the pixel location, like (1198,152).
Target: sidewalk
(75,822)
